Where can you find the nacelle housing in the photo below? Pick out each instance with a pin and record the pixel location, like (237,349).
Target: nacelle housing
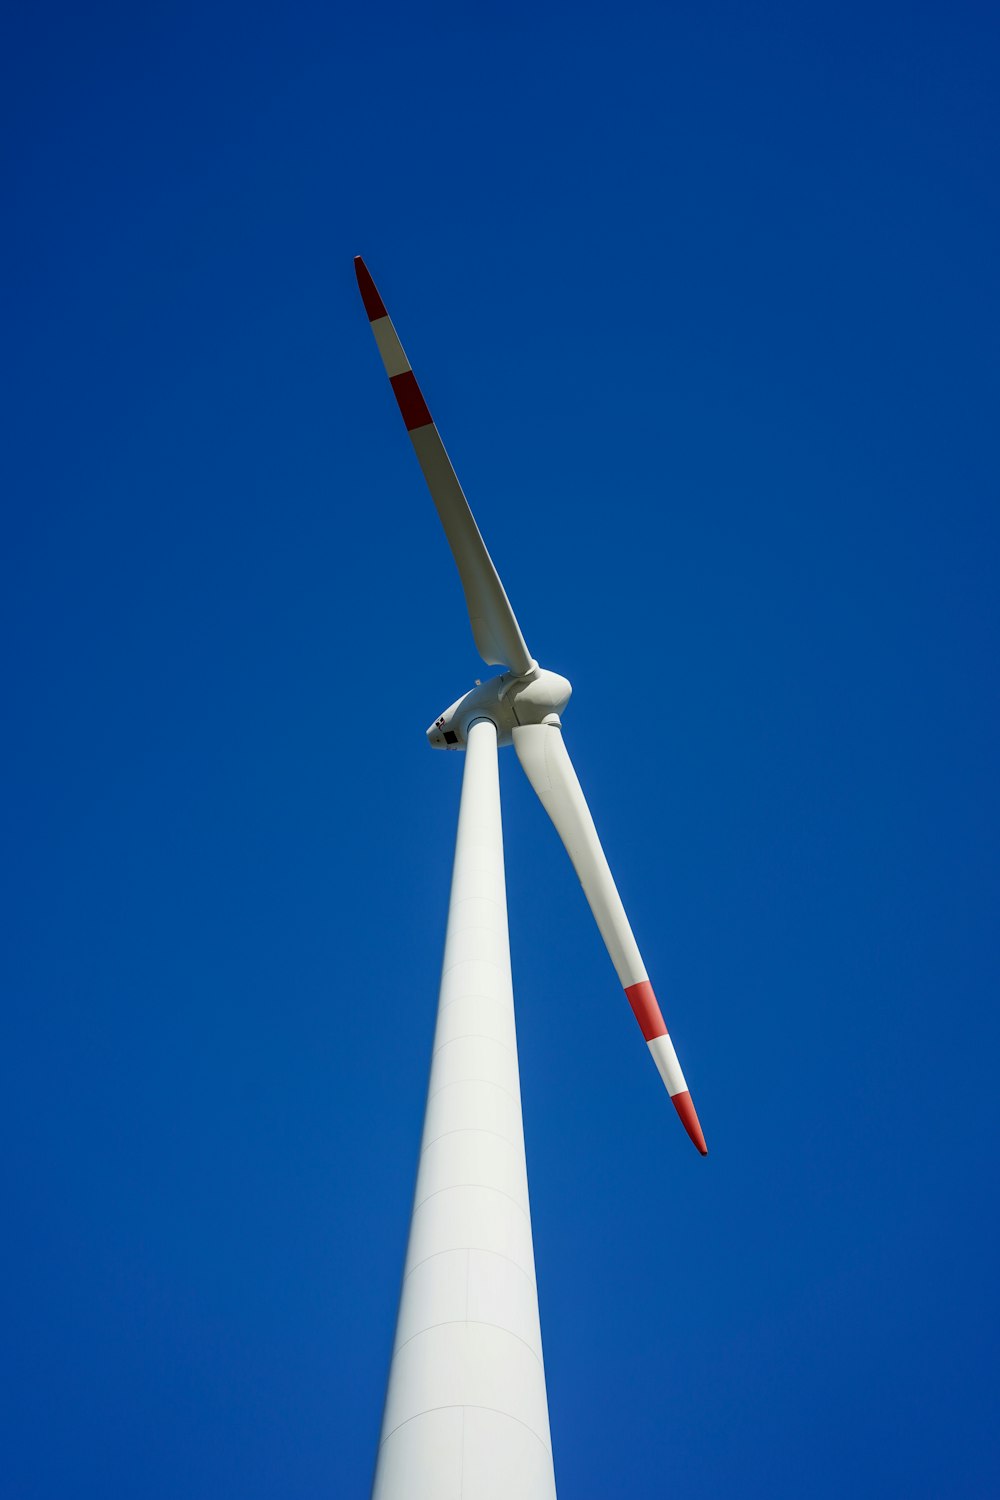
(536,698)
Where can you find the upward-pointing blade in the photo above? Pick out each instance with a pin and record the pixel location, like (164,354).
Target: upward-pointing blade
(497,634)
(547,765)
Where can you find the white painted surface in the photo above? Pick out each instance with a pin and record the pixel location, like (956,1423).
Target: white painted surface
(535,698)
(665,1059)
(391,350)
(466,1415)
(494,627)
(547,765)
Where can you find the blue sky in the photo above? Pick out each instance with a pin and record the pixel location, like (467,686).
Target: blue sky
(703,298)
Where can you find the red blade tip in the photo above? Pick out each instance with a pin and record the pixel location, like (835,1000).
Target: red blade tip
(374,306)
(684,1106)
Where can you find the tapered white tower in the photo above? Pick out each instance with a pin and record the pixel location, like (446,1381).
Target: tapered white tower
(466,1416)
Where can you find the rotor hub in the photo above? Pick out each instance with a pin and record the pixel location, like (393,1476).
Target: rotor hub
(535,697)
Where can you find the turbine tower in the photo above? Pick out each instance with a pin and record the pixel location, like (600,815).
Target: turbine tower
(466,1413)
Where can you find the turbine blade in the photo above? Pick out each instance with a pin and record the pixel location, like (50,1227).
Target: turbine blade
(496,632)
(545,759)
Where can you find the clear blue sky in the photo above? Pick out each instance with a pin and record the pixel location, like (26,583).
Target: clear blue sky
(704,299)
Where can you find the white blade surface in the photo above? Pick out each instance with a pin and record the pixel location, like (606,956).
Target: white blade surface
(545,759)
(543,754)
(494,627)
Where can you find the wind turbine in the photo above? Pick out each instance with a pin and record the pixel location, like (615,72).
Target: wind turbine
(466,1413)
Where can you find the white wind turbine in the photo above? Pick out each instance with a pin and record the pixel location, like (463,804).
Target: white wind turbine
(466,1415)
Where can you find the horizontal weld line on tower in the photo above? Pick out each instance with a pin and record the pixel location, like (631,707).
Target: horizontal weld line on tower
(505,975)
(493,1000)
(471,1130)
(453,905)
(489,900)
(479,959)
(482,1187)
(468,1406)
(461,962)
(472,1036)
(480,1323)
(480,1250)
(479,927)
(503,970)
(488,1082)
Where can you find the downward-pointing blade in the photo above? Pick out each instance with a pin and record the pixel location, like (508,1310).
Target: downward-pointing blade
(545,759)
(496,632)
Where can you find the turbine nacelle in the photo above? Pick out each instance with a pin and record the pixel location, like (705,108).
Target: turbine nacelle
(536,697)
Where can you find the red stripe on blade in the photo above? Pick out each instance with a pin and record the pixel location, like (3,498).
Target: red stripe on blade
(647,1012)
(411,402)
(374,306)
(689,1119)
